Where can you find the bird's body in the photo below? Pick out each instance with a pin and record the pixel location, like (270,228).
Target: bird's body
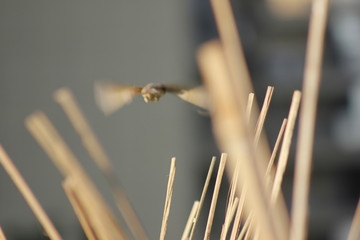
(153,92)
(110,97)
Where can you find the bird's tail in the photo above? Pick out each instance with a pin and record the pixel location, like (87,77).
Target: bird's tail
(197,96)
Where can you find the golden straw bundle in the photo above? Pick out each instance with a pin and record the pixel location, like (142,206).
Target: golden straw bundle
(255,205)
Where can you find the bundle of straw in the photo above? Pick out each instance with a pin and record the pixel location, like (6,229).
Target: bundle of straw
(255,205)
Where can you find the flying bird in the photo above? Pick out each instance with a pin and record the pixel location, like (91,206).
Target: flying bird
(111,97)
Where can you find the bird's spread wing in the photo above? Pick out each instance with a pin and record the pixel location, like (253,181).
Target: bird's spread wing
(197,96)
(110,97)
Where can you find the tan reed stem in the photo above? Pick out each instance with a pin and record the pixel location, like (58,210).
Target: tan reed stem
(240,82)
(231,132)
(245,228)
(215,196)
(262,116)
(238,215)
(276,147)
(29,196)
(249,106)
(68,103)
(285,147)
(202,198)
(230,201)
(228,218)
(311,86)
(239,210)
(80,211)
(250,230)
(230,39)
(354,232)
(2,235)
(103,221)
(169,191)
(190,221)
(66,100)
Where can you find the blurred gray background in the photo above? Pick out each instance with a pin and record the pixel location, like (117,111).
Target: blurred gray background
(45,45)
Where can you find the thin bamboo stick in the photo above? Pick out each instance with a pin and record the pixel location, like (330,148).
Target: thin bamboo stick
(285,147)
(190,221)
(230,201)
(80,211)
(44,132)
(249,106)
(215,196)
(311,86)
(68,103)
(250,230)
(240,84)
(29,196)
(261,120)
(228,218)
(202,198)
(276,147)
(234,53)
(238,215)
(239,210)
(231,132)
(2,235)
(354,232)
(245,228)
(169,191)
(233,210)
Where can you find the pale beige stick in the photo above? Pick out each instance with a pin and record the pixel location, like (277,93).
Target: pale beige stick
(68,103)
(103,221)
(229,36)
(242,197)
(239,75)
(228,219)
(249,219)
(30,198)
(230,201)
(257,234)
(2,235)
(66,100)
(239,213)
(276,147)
(240,207)
(251,229)
(70,190)
(231,132)
(241,86)
(245,228)
(190,221)
(285,147)
(250,225)
(354,232)
(169,191)
(233,186)
(267,175)
(233,209)
(202,198)
(263,112)
(215,196)
(304,149)
(249,106)
(55,147)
